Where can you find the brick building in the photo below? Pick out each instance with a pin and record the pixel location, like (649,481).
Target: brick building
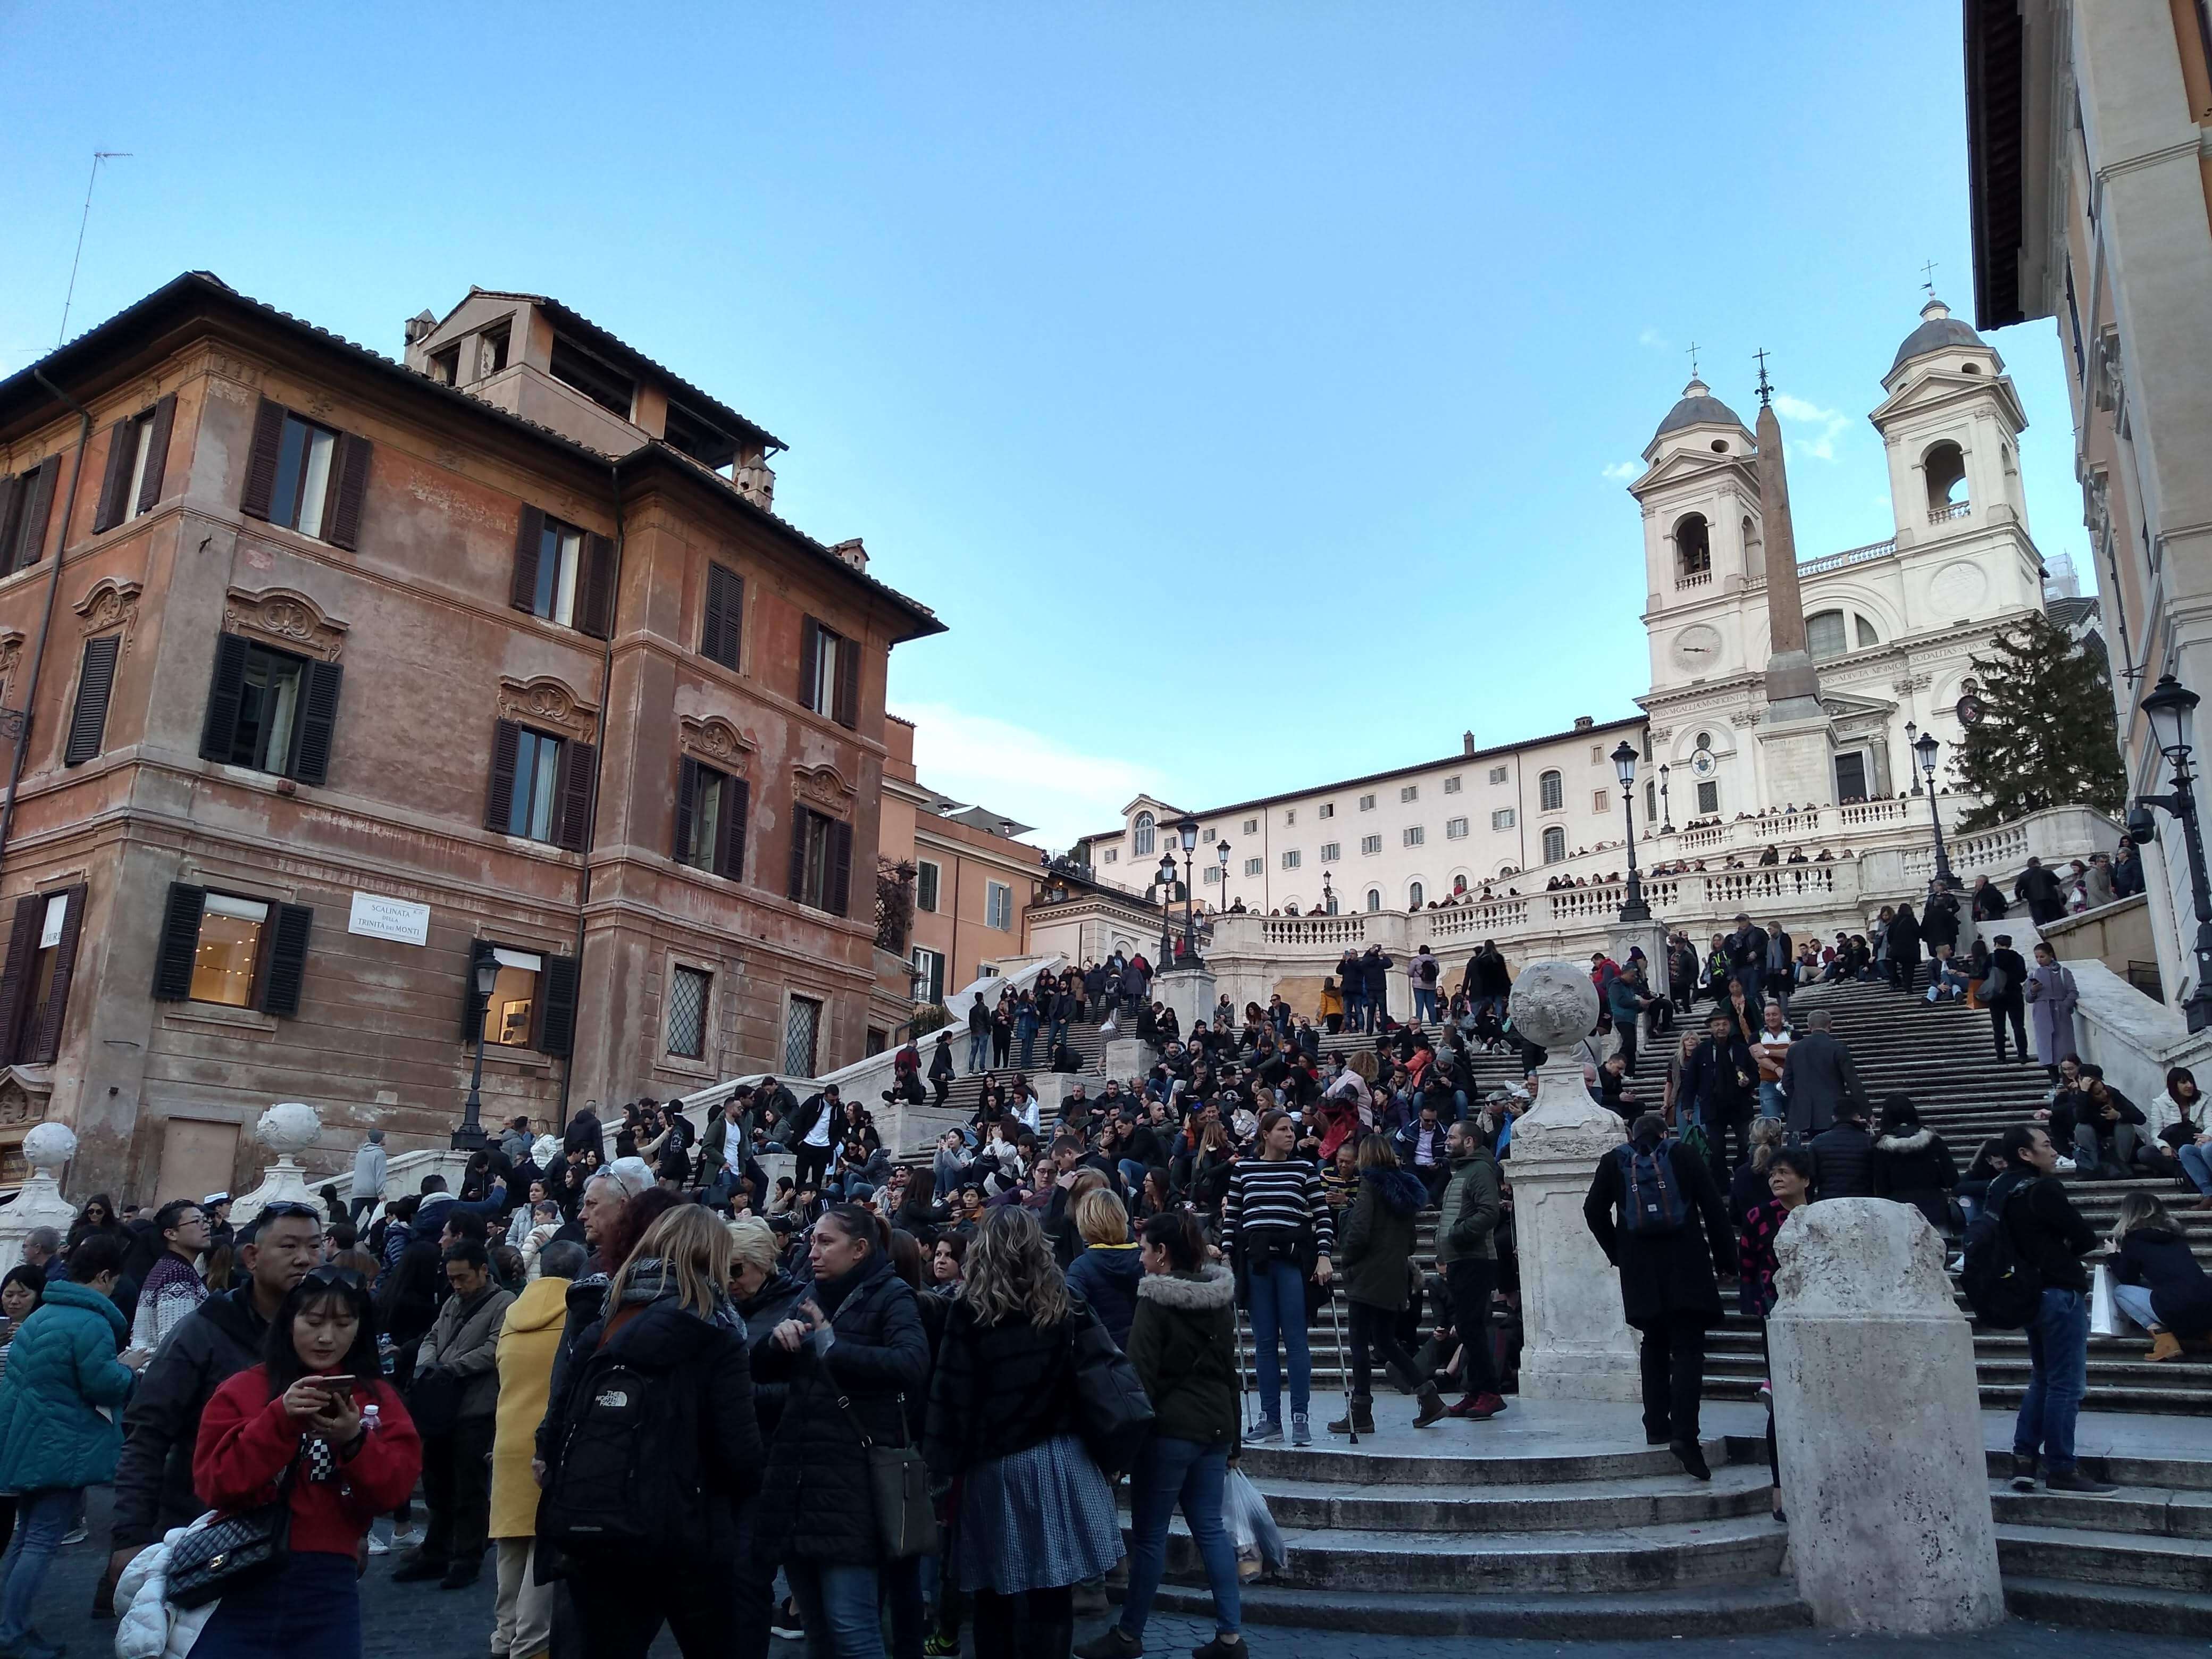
(338,674)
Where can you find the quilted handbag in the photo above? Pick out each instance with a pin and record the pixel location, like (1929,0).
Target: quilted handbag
(232,1551)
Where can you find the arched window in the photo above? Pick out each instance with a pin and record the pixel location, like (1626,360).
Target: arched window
(1824,634)
(1375,898)
(1946,467)
(1753,545)
(1144,834)
(1414,895)
(1694,546)
(1552,792)
(1555,844)
(1866,633)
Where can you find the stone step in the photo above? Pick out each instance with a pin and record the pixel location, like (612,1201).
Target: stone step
(1754,1608)
(2187,1469)
(2095,1557)
(2131,1607)
(1580,1505)
(1460,1459)
(2156,1512)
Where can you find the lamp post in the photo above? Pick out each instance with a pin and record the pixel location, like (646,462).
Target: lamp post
(470,1137)
(1187,833)
(1925,747)
(1166,875)
(2171,707)
(1666,812)
(1910,742)
(1632,907)
(1327,896)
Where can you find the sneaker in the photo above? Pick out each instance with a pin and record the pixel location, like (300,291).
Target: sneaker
(1300,1430)
(1271,1428)
(408,1539)
(2075,1481)
(377,1545)
(75,1534)
(1218,1649)
(1112,1642)
(935,1646)
(1479,1406)
(2063,1166)
(784,1623)
(2023,1472)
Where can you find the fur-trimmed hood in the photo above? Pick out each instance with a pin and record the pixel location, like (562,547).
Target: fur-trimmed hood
(1911,1143)
(1213,1286)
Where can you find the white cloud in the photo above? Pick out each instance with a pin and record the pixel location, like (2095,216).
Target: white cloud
(979,759)
(1654,339)
(1622,472)
(1829,424)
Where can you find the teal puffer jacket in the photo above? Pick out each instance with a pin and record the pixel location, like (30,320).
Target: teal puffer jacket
(61,1369)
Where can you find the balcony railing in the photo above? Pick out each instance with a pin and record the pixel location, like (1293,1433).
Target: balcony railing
(1950,510)
(1692,579)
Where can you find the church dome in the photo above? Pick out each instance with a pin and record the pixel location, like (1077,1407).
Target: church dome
(1939,331)
(1699,407)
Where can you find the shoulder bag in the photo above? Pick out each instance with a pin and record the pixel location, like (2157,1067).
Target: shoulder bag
(232,1551)
(1114,1414)
(898,1487)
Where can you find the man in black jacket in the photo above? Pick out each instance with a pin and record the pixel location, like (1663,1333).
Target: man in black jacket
(2041,892)
(1817,1077)
(2049,1238)
(1721,1079)
(1747,956)
(2011,1002)
(1375,986)
(1843,1154)
(2107,1126)
(220,1338)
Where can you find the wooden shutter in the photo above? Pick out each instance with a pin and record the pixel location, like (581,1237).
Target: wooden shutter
(499,806)
(556,1002)
(11,497)
(472,1006)
(319,716)
(15,978)
(261,460)
(839,894)
(725,605)
(57,988)
(179,944)
(846,709)
(810,657)
(287,960)
(157,453)
(225,691)
(687,805)
(349,488)
(94,680)
(595,584)
(799,819)
(121,444)
(524,594)
(37,501)
(572,822)
(730,854)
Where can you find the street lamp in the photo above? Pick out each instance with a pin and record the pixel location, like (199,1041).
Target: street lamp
(1910,729)
(1187,833)
(1666,812)
(1221,849)
(470,1137)
(2172,707)
(1632,907)
(1925,748)
(1327,896)
(1166,873)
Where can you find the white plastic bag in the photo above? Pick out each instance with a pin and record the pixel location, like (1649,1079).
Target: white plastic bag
(1259,1541)
(2105,1316)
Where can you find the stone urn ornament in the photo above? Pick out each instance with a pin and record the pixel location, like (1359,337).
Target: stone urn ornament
(286,1129)
(47,1148)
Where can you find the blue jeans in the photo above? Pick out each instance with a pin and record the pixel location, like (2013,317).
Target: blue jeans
(1771,1101)
(1025,1036)
(1170,1472)
(1056,1034)
(979,1050)
(838,1606)
(1132,1176)
(2199,1168)
(2058,1359)
(1279,1305)
(41,1519)
(1752,978)
(1424,1005)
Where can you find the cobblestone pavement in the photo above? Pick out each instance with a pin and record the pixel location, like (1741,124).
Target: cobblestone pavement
(421,1621)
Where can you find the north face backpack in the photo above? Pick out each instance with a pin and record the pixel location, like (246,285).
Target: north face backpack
(2004,1291)
(1651,1201)
(625,1470)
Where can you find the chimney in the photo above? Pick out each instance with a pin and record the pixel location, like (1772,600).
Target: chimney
(1466,743)
(1583,722)
(420,326)
(852,554)
(756,480)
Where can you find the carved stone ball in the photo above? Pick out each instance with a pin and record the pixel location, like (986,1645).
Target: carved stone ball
(49,1146)
(1554,1002)
(289,1127)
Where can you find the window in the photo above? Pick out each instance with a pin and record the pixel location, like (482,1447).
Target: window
(1455,828)
(927,877)
(1291,814)
(1851,776)
(445,365)
(998,905)
(1705,740)
(929,974)
(1451,784)
(829,674)
(271,710)
(1946,467)
(711,809)
(137,456)
(1413,835)
(1327,810)
(1410,791)
(233,951)
(607,386)
(1651,802)
(1693,551)
(1709,798)
(1824,634)
(1253,866)
(1375,898)
(1330,851)
(1866,634)
(1551,791)
(27,503)
(1367,803)
(1251,828)
(41,963)
(1555,844)
(1601,801)
(802,1033)
(821,861)
(1291,860)
(1113,855)
(541,786)
(491,350)
(563,574)
(1370,845)
(1498,774)
(1414,895)
(687,1012)
(726,607)
(304,477)
(1213,878)
(96,679)
(1503,818)
(1144,843)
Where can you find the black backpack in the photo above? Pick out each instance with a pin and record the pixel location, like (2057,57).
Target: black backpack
(625,1471)
(1651,1198)
(2005,1290)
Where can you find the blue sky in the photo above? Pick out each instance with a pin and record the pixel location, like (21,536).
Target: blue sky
(1241,383)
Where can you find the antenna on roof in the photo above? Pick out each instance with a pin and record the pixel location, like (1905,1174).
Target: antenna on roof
(1765,387)
(98,156)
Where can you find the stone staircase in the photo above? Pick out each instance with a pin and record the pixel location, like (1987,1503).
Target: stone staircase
(925,1122)
(2139,1560)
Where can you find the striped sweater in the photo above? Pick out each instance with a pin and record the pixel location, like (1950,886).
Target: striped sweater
(1287,1193)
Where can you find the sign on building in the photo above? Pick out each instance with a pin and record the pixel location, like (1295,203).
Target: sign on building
(375,916)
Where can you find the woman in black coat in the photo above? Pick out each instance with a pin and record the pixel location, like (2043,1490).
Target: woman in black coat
(1912,1164)
(1903,948)
(858,1337)
(2159,1278)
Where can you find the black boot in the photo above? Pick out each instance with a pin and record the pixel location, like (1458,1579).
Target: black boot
(1360,1420)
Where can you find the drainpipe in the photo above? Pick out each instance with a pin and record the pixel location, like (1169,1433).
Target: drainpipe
(598,761)
(46,621)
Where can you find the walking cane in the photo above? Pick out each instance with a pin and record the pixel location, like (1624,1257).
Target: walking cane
(1343,1363)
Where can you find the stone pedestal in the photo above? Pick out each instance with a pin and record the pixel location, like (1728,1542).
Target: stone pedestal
(1576,1344)
(1797,749)
(1125,1057)
(1189,992)
(39,1203)
(287,1129)
(1878,1425)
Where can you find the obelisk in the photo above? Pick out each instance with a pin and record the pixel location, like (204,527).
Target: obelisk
(1797,743)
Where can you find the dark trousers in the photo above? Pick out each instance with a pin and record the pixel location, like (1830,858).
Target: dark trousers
(1673,1375)
(1729,1126)
(1436,1177)
(2015,1009)
(942,1082)
(619,1613)
(810,1164)
(1471,1282)
(456,1486)
(1374,1331)
(1627,1029)
(1051,1624)
(750,1590)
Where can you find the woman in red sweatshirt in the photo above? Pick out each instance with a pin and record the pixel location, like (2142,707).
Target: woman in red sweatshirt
(305,1408)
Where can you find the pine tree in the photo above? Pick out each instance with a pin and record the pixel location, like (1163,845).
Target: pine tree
(2047,737)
